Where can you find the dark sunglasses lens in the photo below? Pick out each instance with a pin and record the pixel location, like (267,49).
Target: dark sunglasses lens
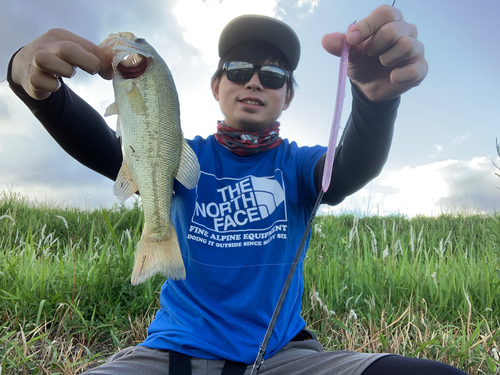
(238,71)
(272,77)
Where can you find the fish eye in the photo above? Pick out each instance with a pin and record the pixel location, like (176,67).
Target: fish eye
(140,40)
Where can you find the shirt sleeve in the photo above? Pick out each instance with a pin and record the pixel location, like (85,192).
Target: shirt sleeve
(78,128)
(363,150)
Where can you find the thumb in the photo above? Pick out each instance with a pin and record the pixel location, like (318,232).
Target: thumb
(332,43)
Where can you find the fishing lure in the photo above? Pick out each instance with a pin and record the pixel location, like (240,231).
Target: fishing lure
(337,114)
(330,155)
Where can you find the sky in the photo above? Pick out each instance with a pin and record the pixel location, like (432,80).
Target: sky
(443,154)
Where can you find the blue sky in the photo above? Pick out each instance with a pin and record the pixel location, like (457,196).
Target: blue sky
(444,144)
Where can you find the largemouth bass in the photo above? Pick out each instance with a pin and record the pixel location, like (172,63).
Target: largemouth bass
(154,149)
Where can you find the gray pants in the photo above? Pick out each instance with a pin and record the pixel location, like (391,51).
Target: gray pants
(297,357)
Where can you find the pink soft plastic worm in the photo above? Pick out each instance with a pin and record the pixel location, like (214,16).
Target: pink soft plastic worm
(330,153)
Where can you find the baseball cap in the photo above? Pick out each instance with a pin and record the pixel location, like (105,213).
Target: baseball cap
(252,26)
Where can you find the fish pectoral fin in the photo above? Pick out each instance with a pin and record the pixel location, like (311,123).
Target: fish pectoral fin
(136,100)
(124,186)
(189,167)
(111,110)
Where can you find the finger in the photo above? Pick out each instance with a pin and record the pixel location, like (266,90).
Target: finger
(80,52)
(42,84)
(368,26)
(406,49)
(411,74)
(332,43)
(52,64)
(388,35)
(75,55)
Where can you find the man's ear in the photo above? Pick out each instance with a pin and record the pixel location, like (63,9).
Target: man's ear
(288,100)
(215,88)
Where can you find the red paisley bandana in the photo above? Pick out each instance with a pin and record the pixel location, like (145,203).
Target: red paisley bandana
(244,143)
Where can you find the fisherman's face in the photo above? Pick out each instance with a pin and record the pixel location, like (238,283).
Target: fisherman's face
(249,106)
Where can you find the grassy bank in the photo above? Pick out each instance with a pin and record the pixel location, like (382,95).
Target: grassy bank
(423,287)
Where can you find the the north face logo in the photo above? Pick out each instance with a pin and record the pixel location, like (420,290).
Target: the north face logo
(268,194)
(226,204)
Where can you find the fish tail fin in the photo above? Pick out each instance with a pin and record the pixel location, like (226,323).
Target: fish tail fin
(155,256)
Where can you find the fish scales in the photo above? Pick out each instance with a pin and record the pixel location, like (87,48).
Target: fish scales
(154,149)
(148,151)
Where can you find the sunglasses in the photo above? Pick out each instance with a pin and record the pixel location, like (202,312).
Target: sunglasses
(270,76)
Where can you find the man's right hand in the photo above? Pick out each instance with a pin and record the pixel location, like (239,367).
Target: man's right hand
(57,53)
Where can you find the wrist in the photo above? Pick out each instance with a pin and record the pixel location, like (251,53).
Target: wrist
(375,106)
(13,74)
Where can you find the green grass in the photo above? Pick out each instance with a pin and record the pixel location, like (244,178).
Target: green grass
(422,287)
(425,287)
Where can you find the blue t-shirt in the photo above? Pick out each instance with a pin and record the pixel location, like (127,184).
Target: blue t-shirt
(239,231)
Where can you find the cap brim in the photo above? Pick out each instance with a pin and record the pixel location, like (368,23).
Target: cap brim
(261,28)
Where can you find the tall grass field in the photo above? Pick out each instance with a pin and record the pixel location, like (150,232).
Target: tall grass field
(426,287)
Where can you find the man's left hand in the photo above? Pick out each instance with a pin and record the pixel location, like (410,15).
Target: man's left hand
(385,59)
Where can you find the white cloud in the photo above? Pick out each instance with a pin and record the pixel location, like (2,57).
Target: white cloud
(203,21)
(439,148)
(431,189)
(460,138)
(31,163)
(309,5)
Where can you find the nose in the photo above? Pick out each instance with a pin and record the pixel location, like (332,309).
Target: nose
(254,82)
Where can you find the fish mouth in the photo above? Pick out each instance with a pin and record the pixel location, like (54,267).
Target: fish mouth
(127,54)
(132,66)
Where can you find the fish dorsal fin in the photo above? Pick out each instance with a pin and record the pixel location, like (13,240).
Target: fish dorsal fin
(189,167)
(124,186)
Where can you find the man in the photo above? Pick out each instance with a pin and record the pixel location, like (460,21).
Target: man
(239,230)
